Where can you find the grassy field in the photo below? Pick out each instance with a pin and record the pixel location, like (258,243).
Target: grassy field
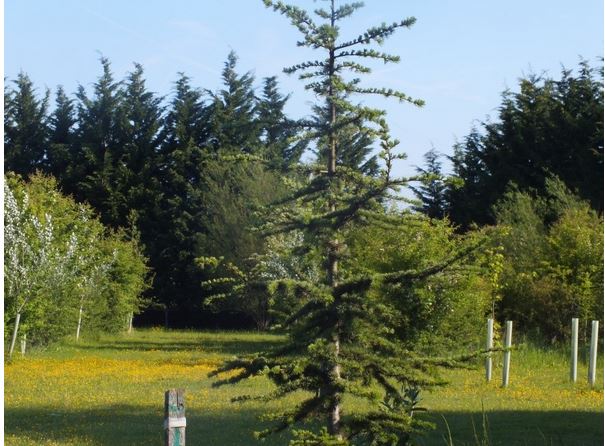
(110,392)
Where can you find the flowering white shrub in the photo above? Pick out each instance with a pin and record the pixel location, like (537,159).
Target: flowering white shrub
(61,263)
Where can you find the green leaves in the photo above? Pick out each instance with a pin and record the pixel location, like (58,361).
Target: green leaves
(59,258)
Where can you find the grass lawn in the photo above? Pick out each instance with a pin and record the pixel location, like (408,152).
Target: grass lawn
(111,392)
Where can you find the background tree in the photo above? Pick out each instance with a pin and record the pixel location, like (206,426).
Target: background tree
(549,127)
(99,149)
(175,239)
(234,126)
(282,149)
(432,189)
(25,127)
(61,142)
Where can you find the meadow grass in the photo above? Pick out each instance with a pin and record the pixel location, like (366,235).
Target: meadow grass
(110,391)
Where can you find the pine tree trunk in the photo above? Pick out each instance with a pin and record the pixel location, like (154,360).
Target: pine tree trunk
(334,427)
(14,338)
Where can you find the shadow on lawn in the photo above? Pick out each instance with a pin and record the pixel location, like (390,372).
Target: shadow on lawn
(512,428)
(230,346)
(131,425)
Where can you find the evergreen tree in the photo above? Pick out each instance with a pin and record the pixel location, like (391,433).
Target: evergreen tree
(279,132)
(341,341)
(99,151)
(25,127)
(233,114)
(139,120)
(178,234)
(431,191)
(60,150)
(465,202)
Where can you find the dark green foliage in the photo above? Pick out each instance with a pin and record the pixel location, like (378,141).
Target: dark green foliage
(25,127)
(343,339)
(99,151)
(232,113)
(550,127)
(61,141)
(282,150)
(432,189)
(174,240)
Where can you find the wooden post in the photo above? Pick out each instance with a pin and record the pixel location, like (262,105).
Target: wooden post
(23,343)
(573,373)
(489,345)
(130,323)
(507,344)
(174,417)
(592,364)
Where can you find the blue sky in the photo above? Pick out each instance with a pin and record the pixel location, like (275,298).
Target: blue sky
(458,57)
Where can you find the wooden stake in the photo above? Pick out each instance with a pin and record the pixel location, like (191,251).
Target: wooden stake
(592,364)
(489,345)
(507,344)
(573,373)
(174,417)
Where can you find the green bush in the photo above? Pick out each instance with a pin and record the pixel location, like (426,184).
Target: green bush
(553,269)
(58,259)
(455,300)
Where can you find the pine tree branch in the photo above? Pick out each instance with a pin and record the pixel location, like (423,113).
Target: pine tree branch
(377,34)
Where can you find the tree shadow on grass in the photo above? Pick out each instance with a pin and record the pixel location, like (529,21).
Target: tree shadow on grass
(512,428)
(134,425)
(223,346)
(119,425)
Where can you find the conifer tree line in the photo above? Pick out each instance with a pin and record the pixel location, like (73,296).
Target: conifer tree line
(548,128)
(144,160)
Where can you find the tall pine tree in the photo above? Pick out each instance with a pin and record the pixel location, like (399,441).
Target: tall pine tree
(341,340)
(233,113)
(25,127)
(179,233)
(60,150)
(98,148)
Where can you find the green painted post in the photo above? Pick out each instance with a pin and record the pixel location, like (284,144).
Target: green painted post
(174,417)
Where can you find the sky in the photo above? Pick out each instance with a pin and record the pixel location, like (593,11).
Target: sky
(458,57)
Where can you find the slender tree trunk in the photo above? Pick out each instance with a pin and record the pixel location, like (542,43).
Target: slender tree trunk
(79,324)
(130,322)
(334,427)
(14,338)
